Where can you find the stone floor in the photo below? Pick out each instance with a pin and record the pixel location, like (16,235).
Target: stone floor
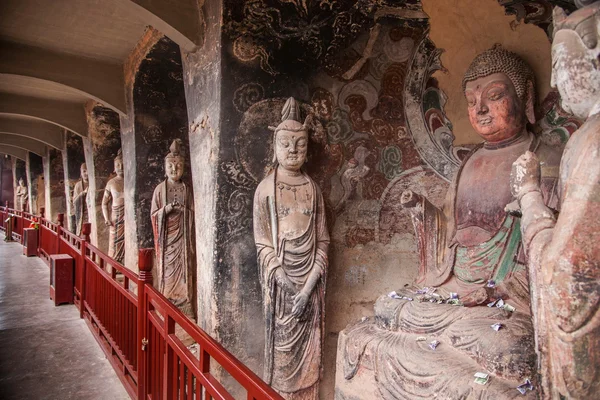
(46,352)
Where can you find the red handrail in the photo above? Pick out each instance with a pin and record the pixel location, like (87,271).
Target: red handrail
(135,324)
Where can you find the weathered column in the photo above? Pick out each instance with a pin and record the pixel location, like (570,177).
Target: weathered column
(54,185)
(35,182)
(100,148)
(6,180)
(156,115)
(202,82)
(73,157)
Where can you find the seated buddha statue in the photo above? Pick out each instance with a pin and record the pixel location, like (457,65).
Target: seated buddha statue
(469,309)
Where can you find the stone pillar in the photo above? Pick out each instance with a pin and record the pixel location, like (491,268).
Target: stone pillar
(35,182)
(6,180)
(73,157)
(154,84)
(202,82)
(100,148)
(54,184)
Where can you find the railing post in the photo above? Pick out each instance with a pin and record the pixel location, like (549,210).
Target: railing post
(40,245)
(145,261)
(86,229)
(61,221)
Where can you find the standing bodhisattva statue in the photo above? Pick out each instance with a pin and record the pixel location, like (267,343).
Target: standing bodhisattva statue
(564,252)
(291,238)
(115,219)
(21,194)
(172,217)
(80,199)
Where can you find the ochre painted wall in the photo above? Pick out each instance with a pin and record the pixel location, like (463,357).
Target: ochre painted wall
(466,28)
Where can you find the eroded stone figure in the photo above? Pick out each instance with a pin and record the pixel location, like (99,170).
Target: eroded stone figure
(471,255)
(290,232)
(115,218)
(172,217)
(80,199)
(564,252)
(21,195)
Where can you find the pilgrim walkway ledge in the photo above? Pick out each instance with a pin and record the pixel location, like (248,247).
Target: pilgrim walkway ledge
(46,352)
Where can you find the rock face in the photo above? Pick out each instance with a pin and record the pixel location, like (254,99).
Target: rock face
(564,255)
(292,242)
(430,340)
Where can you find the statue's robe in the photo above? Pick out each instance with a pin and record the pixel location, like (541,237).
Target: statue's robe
(116,233)
(21,194)
(174,246)
(80,205)
(564,256)
(408,369)
(293,347)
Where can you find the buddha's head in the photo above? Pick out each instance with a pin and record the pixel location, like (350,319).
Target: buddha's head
(291,138)
(576,59)
(500,90)
(174,162)
(21,182)
(119,163)
(84,172)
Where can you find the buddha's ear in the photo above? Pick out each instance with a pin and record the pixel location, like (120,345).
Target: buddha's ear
(530,102)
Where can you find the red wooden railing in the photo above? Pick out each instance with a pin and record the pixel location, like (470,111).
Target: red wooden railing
(135,324)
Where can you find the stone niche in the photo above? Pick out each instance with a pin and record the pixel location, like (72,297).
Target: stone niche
(100,151)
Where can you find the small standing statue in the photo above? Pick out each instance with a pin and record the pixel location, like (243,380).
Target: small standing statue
(172,217)
(80,200)
(22,195)
(291,238)
(564,252)
(115,219)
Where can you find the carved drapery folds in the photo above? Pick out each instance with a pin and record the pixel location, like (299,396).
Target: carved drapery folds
(290,232)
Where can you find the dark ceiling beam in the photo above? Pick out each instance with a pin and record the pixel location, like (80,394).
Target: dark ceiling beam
(42,131)
(14,152)
(67,115)
(94,79)
(180,20)
(26,143)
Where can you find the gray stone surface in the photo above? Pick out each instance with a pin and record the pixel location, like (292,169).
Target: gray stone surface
(46,352)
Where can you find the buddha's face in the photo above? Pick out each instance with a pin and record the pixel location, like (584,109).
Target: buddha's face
(291,148)
(495,110)
(21,182)
(174,168)
(576,73)
(84,173)
(119,166)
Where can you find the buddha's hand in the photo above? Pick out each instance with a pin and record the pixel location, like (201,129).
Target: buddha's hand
(525,175)
(300,301)
(475,298)
(284,282)
(410,199)
(107,222)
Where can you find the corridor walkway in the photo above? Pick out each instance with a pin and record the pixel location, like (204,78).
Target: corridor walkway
(46,352)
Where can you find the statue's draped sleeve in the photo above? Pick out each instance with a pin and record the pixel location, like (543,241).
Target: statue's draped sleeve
(269,260)
(564,255)
(79,205)
(158,216)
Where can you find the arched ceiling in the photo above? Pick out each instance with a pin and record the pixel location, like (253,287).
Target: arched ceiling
(13,152)
(57,55)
